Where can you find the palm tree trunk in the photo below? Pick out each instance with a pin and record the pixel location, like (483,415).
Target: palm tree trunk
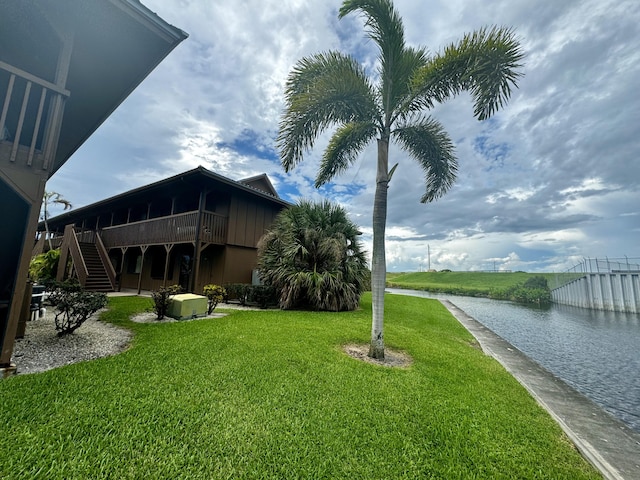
(46,225)
(378,263)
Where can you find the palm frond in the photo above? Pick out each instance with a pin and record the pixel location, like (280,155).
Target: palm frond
(313,257)
(427,142)
(486,63)
(324,89)
(343,149)
(384,26)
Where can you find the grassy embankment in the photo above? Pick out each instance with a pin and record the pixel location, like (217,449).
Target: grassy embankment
(270,394)
(475,284)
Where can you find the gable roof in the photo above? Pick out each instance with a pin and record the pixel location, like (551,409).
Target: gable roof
(198,177)
(260,182)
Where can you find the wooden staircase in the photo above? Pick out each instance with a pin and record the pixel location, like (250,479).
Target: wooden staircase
(97,280)
(89,259)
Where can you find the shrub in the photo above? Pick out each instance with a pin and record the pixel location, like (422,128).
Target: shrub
(263,295)
(162,299)
(43,267)
(534,290)
(312,256)
(74,306)
(215,294)
(536,282)
(237,291)
(57,291)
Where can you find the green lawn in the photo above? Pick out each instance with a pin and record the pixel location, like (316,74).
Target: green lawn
(462,283)
(270,394)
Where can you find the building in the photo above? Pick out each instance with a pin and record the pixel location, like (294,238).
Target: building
(64,67)
(191,230)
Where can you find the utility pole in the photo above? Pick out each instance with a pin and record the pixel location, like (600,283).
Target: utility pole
(428,258)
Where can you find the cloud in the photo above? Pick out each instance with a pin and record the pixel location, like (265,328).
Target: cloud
(550,178)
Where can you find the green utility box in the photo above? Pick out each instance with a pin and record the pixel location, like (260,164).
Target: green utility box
(187,305)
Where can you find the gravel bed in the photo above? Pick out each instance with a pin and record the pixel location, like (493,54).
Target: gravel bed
(41,349)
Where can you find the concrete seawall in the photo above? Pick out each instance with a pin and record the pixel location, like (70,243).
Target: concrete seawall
(616,292)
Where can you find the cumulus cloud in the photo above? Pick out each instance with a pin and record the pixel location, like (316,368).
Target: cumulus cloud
(548,180)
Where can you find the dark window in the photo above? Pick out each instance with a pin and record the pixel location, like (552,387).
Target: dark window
(134,265)
(157,265)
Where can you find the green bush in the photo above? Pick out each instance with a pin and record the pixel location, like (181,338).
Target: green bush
(534,290)
(215,294)
(74,306)
(264,295)
(237,291)
(43,267)
(162,298)
(313,257)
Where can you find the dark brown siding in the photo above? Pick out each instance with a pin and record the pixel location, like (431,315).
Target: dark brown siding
(239,264)
(211,267)
(248,221)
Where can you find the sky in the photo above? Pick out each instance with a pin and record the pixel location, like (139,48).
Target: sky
(552,178)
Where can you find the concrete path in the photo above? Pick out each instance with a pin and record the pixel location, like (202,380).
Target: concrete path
(612,447)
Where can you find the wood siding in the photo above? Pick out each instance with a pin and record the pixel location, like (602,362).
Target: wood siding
(248,221)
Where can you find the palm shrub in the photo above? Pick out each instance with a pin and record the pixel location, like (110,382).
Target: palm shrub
(215,294)
(313,258)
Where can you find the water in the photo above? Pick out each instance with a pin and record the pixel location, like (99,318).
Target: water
(596,352)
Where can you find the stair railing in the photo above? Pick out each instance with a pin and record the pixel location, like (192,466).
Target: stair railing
(76,255)
(106,262)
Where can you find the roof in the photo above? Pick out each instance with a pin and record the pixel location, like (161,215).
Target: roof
(117,44)
(197,177)
(260,182)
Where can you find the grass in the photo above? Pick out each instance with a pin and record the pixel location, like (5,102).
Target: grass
(270,394)
(462,283)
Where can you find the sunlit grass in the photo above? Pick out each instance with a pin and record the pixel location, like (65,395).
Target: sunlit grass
(270,394)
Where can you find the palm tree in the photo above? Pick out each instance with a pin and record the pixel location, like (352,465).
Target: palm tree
(332,89)
(48,199)
(313,258)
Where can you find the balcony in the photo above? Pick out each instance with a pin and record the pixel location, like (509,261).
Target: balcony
(179,228)
(30,117)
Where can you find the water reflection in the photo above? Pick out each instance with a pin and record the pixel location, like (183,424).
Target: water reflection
(596,352)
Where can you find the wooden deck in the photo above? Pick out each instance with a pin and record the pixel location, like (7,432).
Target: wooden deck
(181,228)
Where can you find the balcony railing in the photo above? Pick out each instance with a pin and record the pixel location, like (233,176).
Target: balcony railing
(30,116)
(179,228)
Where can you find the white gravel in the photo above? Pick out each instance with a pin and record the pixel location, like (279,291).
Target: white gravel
(41,349)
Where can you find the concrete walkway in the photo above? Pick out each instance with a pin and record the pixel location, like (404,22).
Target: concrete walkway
(612,447)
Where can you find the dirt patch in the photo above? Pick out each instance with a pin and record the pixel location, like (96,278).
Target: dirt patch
(392,358)
(150,317)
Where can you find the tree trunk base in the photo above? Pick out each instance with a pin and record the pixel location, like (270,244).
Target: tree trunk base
(377,352)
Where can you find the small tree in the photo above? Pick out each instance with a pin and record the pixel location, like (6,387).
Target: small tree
(215,294)
(162,299)
(74,306)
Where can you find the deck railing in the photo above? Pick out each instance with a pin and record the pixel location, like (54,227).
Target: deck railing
(179,228)
(30,107)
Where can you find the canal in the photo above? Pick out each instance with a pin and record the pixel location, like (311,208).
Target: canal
(596,352)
